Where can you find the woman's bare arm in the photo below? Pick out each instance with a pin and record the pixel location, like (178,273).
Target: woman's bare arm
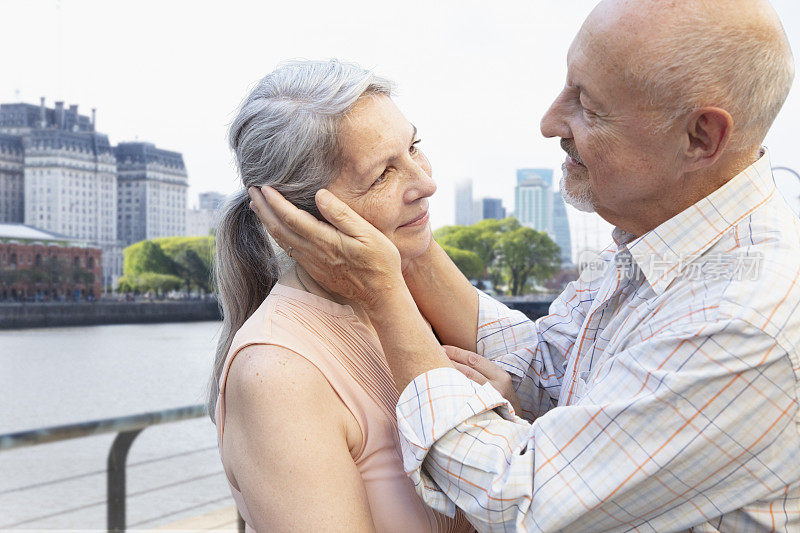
(445,297)
(286,443)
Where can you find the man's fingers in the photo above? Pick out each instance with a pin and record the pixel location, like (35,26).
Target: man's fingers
(341,215)
(473,360)
(471,373)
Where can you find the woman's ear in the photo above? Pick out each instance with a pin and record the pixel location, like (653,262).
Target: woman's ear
(708,131)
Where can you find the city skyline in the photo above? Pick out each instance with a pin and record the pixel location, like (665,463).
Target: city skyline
(475,79)
(71,181)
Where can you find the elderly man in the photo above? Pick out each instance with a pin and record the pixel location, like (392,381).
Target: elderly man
(661,392)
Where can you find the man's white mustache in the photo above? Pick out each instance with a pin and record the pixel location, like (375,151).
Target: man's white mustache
(569,148)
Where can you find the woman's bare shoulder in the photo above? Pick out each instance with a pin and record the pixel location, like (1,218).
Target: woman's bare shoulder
(274,395)
(264,377)
(287,445)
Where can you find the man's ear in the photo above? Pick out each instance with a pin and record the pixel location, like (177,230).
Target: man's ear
(708,130)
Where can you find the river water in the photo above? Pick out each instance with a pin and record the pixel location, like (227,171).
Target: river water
(64,375)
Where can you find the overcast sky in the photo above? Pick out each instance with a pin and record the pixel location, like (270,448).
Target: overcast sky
(474,76)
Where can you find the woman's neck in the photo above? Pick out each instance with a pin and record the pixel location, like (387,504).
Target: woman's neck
(298,278)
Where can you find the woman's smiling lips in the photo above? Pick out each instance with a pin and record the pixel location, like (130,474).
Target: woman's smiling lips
(419,221)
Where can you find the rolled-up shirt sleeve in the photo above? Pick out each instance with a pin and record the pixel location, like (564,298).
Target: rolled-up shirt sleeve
(442,401)
(534,353)
(670,432)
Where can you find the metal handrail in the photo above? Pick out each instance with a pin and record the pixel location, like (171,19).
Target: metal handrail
(127,429)
(32,437)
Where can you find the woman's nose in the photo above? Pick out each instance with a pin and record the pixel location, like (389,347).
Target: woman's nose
(421,184)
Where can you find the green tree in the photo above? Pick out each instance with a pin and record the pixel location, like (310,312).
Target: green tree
(127,284)
(193,259)
(527,253)
(159,283)
(187,258)
(202,246)
(146,256)
(467,262)
(193,270)
(481,239)
(477,240)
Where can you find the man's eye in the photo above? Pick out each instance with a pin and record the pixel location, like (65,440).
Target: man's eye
(380,178)
(413,149)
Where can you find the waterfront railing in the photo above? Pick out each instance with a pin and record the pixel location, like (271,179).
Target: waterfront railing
(127,429)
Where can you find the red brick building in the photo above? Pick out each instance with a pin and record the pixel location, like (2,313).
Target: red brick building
(41,266)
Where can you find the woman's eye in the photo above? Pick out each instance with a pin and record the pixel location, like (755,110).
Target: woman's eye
(413,149)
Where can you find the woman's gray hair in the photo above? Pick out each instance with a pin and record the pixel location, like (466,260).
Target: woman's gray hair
(284,136)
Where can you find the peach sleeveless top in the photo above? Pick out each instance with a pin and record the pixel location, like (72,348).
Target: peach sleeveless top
(349,355)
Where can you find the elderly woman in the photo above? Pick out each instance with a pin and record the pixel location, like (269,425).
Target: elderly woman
(304,401)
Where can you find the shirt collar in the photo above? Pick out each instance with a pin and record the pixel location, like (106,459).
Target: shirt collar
(664,251)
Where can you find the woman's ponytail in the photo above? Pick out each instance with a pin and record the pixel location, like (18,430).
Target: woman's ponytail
(245,269)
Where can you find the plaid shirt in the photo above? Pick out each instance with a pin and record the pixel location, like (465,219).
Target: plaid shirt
(663,386)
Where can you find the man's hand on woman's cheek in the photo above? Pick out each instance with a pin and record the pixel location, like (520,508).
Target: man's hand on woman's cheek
(349,256)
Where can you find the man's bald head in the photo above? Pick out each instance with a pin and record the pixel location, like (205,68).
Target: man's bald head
(689,54)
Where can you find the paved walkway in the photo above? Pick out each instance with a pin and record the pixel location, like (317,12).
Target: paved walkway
(221,520)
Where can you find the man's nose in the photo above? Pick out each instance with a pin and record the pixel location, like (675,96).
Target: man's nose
(554,122)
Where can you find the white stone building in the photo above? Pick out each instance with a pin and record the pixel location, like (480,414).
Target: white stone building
(211,200)
(152,192)
(200,222)
(59,175)
(69,178)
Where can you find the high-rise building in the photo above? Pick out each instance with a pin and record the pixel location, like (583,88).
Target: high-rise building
(477,211)
(492,208)
(71,184)
(69,175)
(200,222)
(545,174)
(59,175)
(533,204)
(12,182)
(211,200)
(152,192)
(465,209)
(561,228)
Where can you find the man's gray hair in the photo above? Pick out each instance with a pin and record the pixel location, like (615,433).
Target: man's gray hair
(284,136)
(746,69)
